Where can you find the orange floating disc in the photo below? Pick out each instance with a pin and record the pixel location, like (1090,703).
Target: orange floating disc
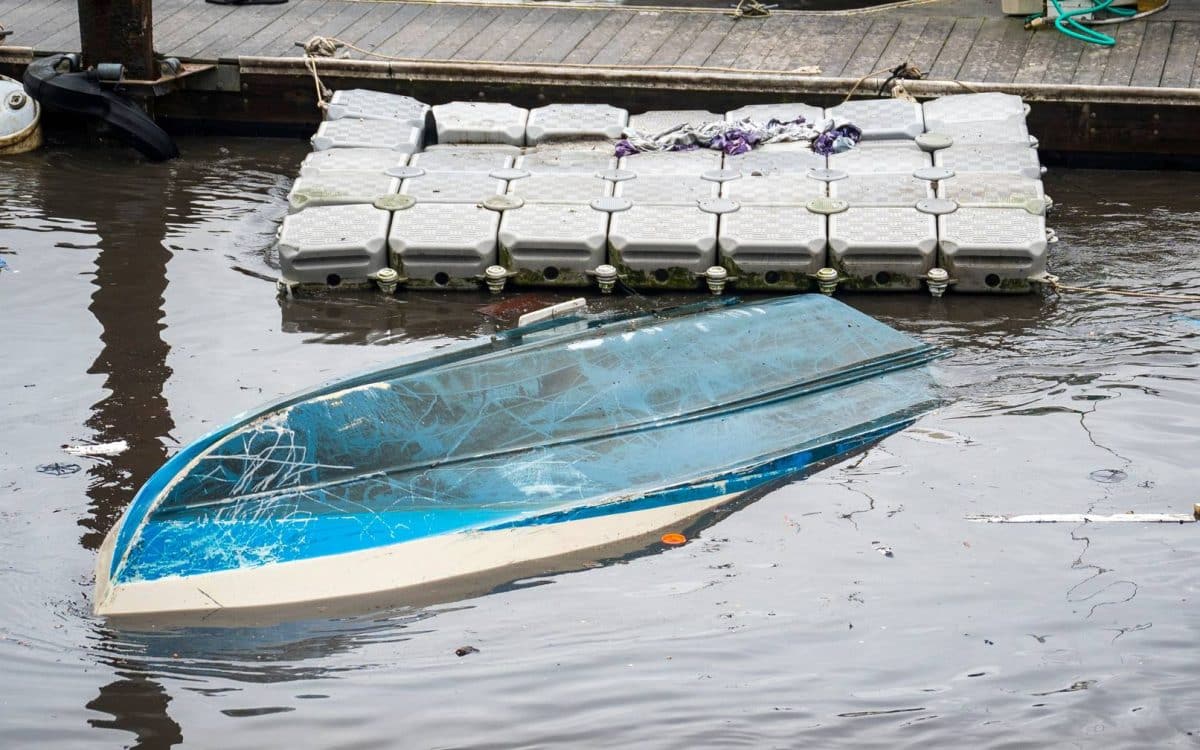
(673,538)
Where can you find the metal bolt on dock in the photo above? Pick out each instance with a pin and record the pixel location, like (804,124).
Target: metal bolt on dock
(495,277)
(606,277)
(938,280)
(387,279)
(716,277)
(827,280)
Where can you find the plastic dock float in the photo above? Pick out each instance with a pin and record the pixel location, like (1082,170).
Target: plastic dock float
(945,194)
(773,241)
(334,245)
(573,122)
(363,104)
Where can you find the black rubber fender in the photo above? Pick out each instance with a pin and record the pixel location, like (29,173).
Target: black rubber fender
(58,85)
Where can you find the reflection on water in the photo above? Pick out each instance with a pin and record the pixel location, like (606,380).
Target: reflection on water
(782,622)
(137,705)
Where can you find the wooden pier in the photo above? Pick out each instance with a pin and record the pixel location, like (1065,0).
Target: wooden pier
(1140,97)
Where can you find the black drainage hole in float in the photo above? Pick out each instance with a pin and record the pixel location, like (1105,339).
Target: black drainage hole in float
(551,273)
(883,278)
(441,278)
(771,277)
(333,279)
(991,280)
(661,276)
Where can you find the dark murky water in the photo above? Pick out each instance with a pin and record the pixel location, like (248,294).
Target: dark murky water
(128,314)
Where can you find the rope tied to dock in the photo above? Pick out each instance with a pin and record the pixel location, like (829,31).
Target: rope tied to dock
(1053,282)
(319,46)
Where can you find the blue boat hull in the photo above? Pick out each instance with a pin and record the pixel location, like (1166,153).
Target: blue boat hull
(540,442)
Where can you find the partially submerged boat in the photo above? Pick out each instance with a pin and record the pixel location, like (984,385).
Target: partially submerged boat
(540,442)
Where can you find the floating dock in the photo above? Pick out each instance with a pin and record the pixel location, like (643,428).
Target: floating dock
(942,194)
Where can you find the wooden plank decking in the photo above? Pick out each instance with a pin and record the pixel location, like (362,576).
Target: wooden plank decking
(982,46)
(1140,96)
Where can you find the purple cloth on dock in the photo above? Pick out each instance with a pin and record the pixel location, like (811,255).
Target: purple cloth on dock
(827,137)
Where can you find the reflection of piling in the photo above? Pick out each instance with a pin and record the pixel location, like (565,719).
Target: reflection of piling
(130,281)
(118,31)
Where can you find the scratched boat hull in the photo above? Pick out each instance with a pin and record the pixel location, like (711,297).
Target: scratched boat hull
(538,443)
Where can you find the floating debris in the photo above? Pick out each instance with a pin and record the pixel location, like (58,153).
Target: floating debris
(1108,476)
(930,435)
(114,448)
(57,469)
(1091,518)
(464,650)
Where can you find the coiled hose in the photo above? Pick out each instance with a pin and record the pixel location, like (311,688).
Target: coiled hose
(1069,23)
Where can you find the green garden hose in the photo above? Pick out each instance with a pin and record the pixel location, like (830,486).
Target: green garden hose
(1067,21)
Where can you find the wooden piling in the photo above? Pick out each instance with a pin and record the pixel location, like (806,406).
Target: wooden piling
(118,31)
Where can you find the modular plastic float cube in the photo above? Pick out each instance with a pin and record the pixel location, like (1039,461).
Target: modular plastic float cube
(983,189)
(881,157)
(333,245)
(695,162)
(353,133)
(376,105)
(772,246)
(948,111)
(987,249)
(453,187)
(1012,130)
(319,187)
(443,245)
(882,247)
(480,122)
(773,190)
(561,122)
(574,160)
(352,160)
(1015,158)
(787,112)
(464,159)
(881,190)
(664,247)
(882,119)
(553,243)
(776,158)
(659,120)
(667,189)
(556,187)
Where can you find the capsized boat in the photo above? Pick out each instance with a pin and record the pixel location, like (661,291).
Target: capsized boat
(539,442)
